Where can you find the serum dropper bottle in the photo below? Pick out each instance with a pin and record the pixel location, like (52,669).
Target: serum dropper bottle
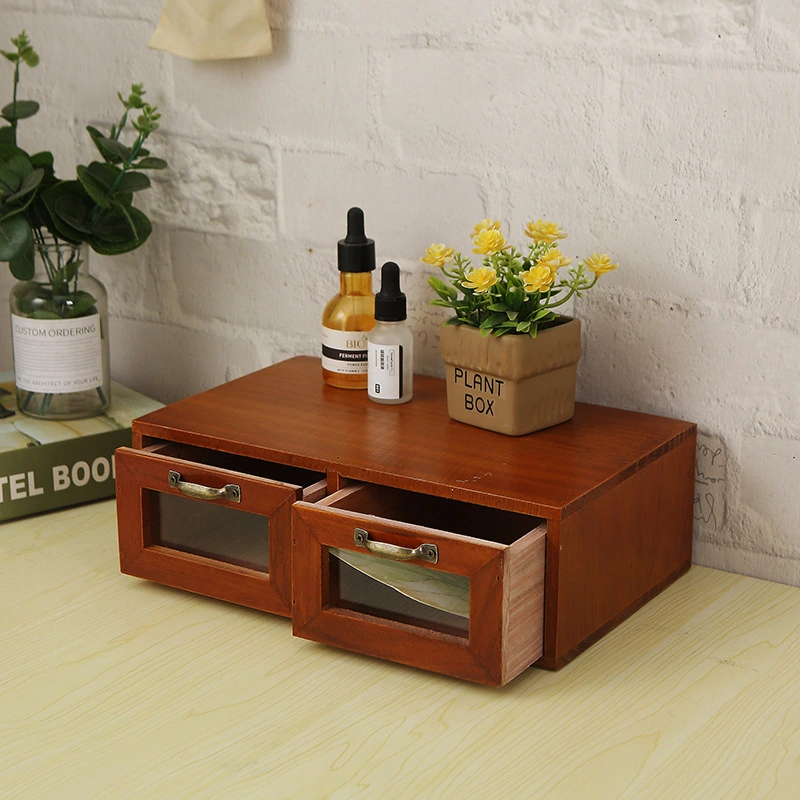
(390,364)
(350,314)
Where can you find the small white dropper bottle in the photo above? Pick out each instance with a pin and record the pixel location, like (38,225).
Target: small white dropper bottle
(390,361)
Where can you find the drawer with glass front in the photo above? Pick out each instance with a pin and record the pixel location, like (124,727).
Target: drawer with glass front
(426,581)
(210,522)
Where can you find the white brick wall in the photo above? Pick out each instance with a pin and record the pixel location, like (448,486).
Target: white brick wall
(662,131)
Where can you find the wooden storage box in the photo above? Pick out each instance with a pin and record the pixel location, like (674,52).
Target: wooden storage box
(543,542)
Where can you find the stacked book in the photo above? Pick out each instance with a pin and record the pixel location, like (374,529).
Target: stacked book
(49,464)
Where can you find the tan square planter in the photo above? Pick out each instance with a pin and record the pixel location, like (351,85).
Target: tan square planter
(512,384)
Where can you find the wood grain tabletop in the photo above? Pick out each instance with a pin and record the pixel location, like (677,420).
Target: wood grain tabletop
(112,687)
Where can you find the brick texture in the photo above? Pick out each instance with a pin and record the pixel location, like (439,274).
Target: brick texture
(663,132)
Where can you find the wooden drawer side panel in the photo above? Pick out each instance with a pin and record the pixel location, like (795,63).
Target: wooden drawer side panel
(619,551)
(523,619)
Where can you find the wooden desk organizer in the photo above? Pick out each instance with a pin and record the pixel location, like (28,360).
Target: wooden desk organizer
(278,492)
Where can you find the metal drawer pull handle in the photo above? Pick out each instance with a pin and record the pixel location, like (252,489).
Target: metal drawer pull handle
(425,552)
(230,491)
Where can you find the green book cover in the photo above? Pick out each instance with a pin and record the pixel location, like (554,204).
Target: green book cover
(48,464)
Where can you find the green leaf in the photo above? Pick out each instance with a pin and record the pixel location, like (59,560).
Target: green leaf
(133,182)
(68,271)
(515,299)
(22,266)
(93,187)
(54,195)
(453,321)
(7,150)
(126,212)
(106,174)
(22,110)
(80,304)
(116,148)
(114,248)
(7,135)
(14,168)
(30,56)
(12,57)
(542,313)
(15,209)
(99,141)
(15,238)
(30,184)
(143,225)
(113,227)
(43,159)
(497,307)
(512,315)
(151,163)
(492,321)
(73,211)
(524,327)
(44,315)
(122,230)
(441,288)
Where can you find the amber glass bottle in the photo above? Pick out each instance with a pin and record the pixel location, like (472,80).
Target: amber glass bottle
(350,315)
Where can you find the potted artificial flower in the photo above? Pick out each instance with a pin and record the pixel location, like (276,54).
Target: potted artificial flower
(511,358)
(58,311)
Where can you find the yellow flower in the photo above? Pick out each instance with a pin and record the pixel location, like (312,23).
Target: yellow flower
(553,260)
(599,264)
(538,279)
(488,241)
(437,255)
(486,225)
(481,279)
(542,231)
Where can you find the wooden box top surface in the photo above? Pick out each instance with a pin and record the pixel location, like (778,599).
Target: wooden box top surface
(287,414)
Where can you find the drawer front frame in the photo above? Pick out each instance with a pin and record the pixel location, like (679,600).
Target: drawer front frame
(506,597)
(139,474)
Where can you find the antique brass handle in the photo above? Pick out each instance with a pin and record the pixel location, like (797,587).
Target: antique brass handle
(230,491)
(425,552)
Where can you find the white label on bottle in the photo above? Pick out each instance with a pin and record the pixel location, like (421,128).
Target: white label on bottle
(57,356)
(385,371)
(344,352)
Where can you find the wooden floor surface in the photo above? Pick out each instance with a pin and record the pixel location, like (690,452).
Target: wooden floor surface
(111,687)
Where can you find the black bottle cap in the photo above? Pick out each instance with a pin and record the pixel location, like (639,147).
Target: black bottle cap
(390,302)
(356,252)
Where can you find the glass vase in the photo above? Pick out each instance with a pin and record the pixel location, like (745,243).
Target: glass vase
(59,328)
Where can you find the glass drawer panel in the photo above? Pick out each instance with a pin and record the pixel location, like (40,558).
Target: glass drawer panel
(403,592)
(215,531)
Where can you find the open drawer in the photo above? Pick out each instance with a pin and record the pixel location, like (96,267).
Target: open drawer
(210,522)
(430,582)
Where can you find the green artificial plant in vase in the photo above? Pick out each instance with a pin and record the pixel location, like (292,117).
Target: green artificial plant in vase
(59,313)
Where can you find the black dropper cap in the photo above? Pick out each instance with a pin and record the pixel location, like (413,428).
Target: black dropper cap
(390,302)
(356,252)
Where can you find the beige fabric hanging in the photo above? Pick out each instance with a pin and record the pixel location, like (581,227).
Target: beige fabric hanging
(204,30)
